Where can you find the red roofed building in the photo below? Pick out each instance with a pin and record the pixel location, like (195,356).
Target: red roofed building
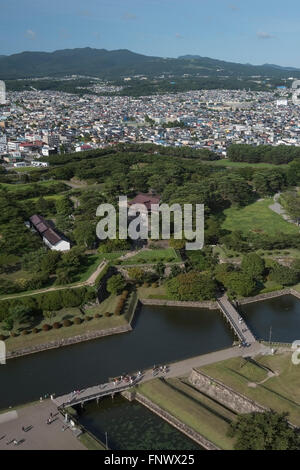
(147,199)
(50,236)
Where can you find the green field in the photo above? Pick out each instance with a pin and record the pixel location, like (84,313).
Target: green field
(153,293)
(230,164)
(111,257)
(257,218)
(24,186)
(87,325)
(280,392)
(53,197)
(190,407)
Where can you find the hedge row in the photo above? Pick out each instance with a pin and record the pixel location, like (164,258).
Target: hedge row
(121,303)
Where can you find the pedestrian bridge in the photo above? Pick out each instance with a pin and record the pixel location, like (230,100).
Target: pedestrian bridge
(237,323)
(92,393)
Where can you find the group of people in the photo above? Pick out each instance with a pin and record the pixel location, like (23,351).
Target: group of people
(50,419)
(127,379)
(162,369)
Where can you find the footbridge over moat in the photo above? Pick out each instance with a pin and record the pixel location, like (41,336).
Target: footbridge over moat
(238,324)
(176,369)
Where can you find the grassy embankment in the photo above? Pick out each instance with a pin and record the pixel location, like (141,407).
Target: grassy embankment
(280,392)
(188,405)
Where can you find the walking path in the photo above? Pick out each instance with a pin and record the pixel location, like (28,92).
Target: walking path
(238,324)
(89,282)
(177,369)
(277,207)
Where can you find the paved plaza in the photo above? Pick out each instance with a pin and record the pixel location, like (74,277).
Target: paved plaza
(40,435)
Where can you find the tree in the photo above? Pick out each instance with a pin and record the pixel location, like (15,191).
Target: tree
(17,314)
(73,258)
(42,206)
(50,301)
(50,261)
(253,265)
(283,275)
(64,206)
(175,271)
(291,203)
(109,246)
(191,286)
(222,271)
(136,273)
(115,284)
(239,283)
(32,261)
(235,241)
(65,275)
(48,315)
(7,262)
(85,234)
(8,324)
(160,269)
(264,431)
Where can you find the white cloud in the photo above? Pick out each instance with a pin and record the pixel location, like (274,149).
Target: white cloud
(264,35)
(30,34)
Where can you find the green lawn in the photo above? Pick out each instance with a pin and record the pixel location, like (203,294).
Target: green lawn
(26,169)
(258,218)
(87,325)
(230,164)
(108,305)
(153,293)
(54,197)
(153,256)
(281,392)
(189,410)
(22,186)
(111,256)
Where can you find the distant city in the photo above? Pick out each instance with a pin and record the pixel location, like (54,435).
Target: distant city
(35,124)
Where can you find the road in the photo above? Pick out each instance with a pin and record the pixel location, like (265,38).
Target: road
(277,207)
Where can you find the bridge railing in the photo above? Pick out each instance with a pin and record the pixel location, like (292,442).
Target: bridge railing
(235,326)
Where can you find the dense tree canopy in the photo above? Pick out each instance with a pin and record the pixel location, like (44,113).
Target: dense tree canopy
(191,286)
(264,431)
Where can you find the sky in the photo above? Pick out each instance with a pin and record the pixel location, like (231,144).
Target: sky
(246,31)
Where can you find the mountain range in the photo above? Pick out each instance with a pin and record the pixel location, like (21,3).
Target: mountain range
(120,63)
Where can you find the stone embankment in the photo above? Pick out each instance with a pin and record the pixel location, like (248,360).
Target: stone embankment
(211,305)
(187,430)
(269,295)
(223,394)
(68,341)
